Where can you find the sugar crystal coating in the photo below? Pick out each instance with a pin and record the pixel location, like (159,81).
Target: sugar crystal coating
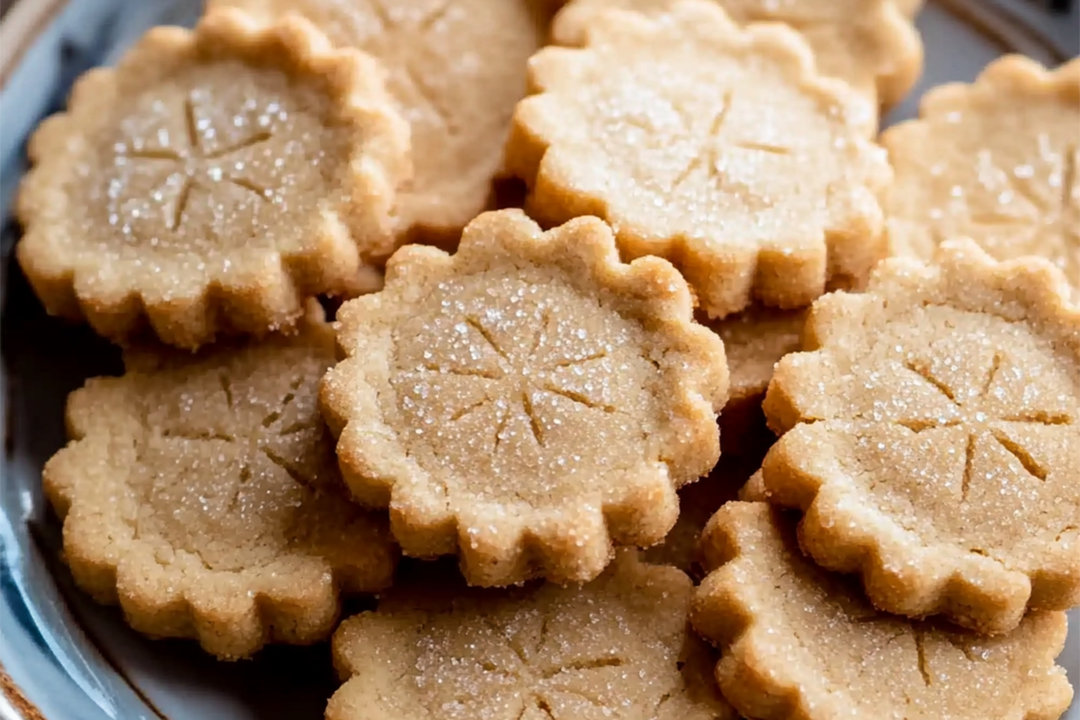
(798,643)
(455,68)
(931,432)
(618,648)
(994,161)
(202,494)
(526,402)
(692,138)
(867,43)
(211,181)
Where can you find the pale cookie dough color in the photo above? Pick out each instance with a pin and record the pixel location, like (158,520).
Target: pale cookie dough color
(994,161)
(201,492)
(716,147)
(456,69)
(931,434)
(618,648)
(211,181)
(526,403)
(869,44)
(754,341)
(798,643)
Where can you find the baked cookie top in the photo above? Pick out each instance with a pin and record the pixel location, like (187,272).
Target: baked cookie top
(211,181)
(456,69)
(526,402)
(202,493)
(692,137)
(869,44)
(618,648)
(798,643)
(994,161)
(931,432)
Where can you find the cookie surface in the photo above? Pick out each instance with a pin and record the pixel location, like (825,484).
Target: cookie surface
(211,181)
(798,643)
(994,161)
(617,648)
(456,69)
(527,402)
(201,492)
(931,432)
(692,138)
(869,44)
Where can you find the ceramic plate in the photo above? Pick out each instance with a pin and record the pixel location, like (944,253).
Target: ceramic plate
(62,657)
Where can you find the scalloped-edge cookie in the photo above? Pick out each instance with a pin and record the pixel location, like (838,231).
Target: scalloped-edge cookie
(201,493)
(870,44)
(212,181)
(931,434)
(798,643)
(692,137)
(995,161)
(526,403)
(697,503)
(456,69)
(618,648)
(754,341)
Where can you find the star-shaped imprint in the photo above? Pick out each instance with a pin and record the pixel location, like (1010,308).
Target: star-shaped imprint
(526,403)
(211,181)
(707,169)
(799,643)
(932,435)
(202,494)
(1014,193)
(618,648)
(456,68)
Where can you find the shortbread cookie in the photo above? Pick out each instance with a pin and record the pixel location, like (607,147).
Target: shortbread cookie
(994,161)
(754,341)
(693,138)
(798,643)
(211,181)
(869,44)
(201,492)
(619,648)
(932,436)
(456,68)
(526,403)
(697,503)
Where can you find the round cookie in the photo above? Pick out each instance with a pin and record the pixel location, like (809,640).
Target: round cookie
(618,648)
(526,403)
(931,434)
(456,69)
(869,44)
(798,643)
(211,181)
(694,139)
(994,161)
(201,493)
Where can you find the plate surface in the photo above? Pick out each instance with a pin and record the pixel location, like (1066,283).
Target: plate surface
(72,660)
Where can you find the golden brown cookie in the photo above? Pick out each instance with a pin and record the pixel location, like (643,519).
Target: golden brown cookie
(211,181)
(618,648)
(754,341)
(994,161)
(798,643)
(201,492)
(697,503)
(526,403)
(931,434)
(692,137)
(754,490)
(456,69)
(869,44)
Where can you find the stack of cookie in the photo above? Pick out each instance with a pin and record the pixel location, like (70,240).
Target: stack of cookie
(708,215)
